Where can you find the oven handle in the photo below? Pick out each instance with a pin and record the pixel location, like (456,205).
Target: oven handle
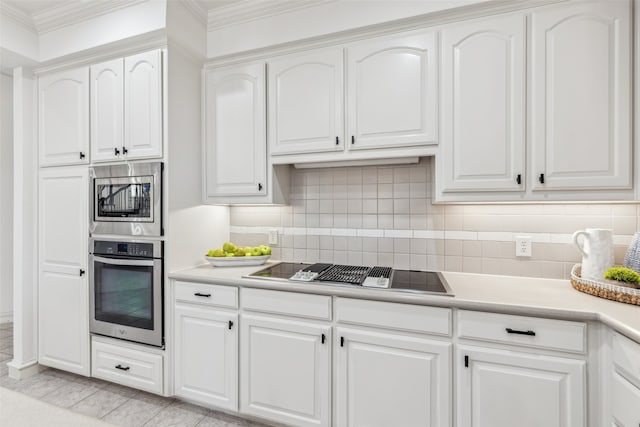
(117,261)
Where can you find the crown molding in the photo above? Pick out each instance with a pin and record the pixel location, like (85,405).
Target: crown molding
(196,9)
(250,10)
(17,16)
(73,12)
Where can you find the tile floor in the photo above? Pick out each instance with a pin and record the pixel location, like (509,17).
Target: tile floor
(113,403)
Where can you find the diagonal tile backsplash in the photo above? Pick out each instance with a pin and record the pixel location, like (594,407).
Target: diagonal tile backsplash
(384,215)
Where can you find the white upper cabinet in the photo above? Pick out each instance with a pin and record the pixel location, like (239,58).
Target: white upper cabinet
(107,118)
(306,112)
(391,95)
(63,117)
(235,138)
(126,108)
(143,105)
(581,96)
(483,105)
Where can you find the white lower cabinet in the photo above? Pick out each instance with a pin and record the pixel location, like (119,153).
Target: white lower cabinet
(505,388)
(206,355)
(389,379)
(124,364)
(625,382)
(285,370)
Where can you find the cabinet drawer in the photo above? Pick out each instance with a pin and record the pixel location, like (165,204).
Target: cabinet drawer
(222,296)
(287,303)
(626,356)
(625,400)
(413,318)
(126,366)
(527,331)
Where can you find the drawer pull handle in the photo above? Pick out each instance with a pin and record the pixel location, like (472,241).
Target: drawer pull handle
(230,324)
(515,331)
(323,338)
(199,294)
(122,368)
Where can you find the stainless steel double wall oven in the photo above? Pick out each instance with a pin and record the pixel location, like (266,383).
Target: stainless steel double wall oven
(126,252)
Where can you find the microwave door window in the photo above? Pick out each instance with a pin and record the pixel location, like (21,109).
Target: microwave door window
(124,200)
(124,295)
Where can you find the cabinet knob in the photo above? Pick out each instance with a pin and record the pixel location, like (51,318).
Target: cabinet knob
(82,272)
(124,150)
(353,139)
(230,324)
(323,338)
(116,151)
(341,341)
(81,155)
(519,179)
(541,178)
(337,140)
(259,187)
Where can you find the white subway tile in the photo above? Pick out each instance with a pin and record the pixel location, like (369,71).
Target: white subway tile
(368,232)
(398,233)
(496,236)
(461,235)
(343,232)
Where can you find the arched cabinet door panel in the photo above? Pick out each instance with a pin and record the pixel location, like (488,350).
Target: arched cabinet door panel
(306,112)
(235,135)
(63,118)
(483,105)
(580,96)
(391,92)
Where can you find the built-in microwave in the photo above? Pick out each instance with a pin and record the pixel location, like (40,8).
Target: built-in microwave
(127,199)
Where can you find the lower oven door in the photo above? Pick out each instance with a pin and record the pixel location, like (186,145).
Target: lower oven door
(126,299)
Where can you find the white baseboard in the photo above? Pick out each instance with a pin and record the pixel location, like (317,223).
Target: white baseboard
(20,372)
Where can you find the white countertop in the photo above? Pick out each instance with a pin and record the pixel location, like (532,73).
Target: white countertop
(504,294)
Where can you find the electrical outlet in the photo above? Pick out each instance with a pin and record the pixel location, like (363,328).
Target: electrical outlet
(523,246)
(273,236)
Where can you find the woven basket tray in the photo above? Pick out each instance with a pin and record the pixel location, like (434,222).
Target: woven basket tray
(604,289)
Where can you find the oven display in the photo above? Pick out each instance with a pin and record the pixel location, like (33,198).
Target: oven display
(122,248)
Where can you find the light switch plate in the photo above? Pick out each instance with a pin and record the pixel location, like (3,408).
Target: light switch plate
(273,236)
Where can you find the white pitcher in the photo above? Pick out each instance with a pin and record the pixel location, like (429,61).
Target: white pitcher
(597,252)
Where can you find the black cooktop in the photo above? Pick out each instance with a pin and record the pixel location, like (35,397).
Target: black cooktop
(401,280)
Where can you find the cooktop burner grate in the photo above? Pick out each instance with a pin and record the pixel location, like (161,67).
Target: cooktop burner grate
(352,274)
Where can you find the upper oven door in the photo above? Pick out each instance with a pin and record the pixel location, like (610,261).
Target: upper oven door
(127,199)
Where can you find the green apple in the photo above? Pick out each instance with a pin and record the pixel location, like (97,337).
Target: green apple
(229,247)
(239,252)
(256,251)
(230,254)
(266,250)
(216,253)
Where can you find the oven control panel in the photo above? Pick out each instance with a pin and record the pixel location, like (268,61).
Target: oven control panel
(130,249)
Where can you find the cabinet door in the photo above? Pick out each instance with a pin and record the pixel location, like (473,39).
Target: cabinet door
(235,139)
(143,105)
(63,118)
(625,402)
(497,388)
(63,295)
(206,358)
(483,93)
(107,110)
(386,380)
(580,96)
(391,94)
(306,103)
(285,370)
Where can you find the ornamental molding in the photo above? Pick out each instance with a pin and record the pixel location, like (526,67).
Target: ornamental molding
(73,12)
(244,11)
(17,16)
